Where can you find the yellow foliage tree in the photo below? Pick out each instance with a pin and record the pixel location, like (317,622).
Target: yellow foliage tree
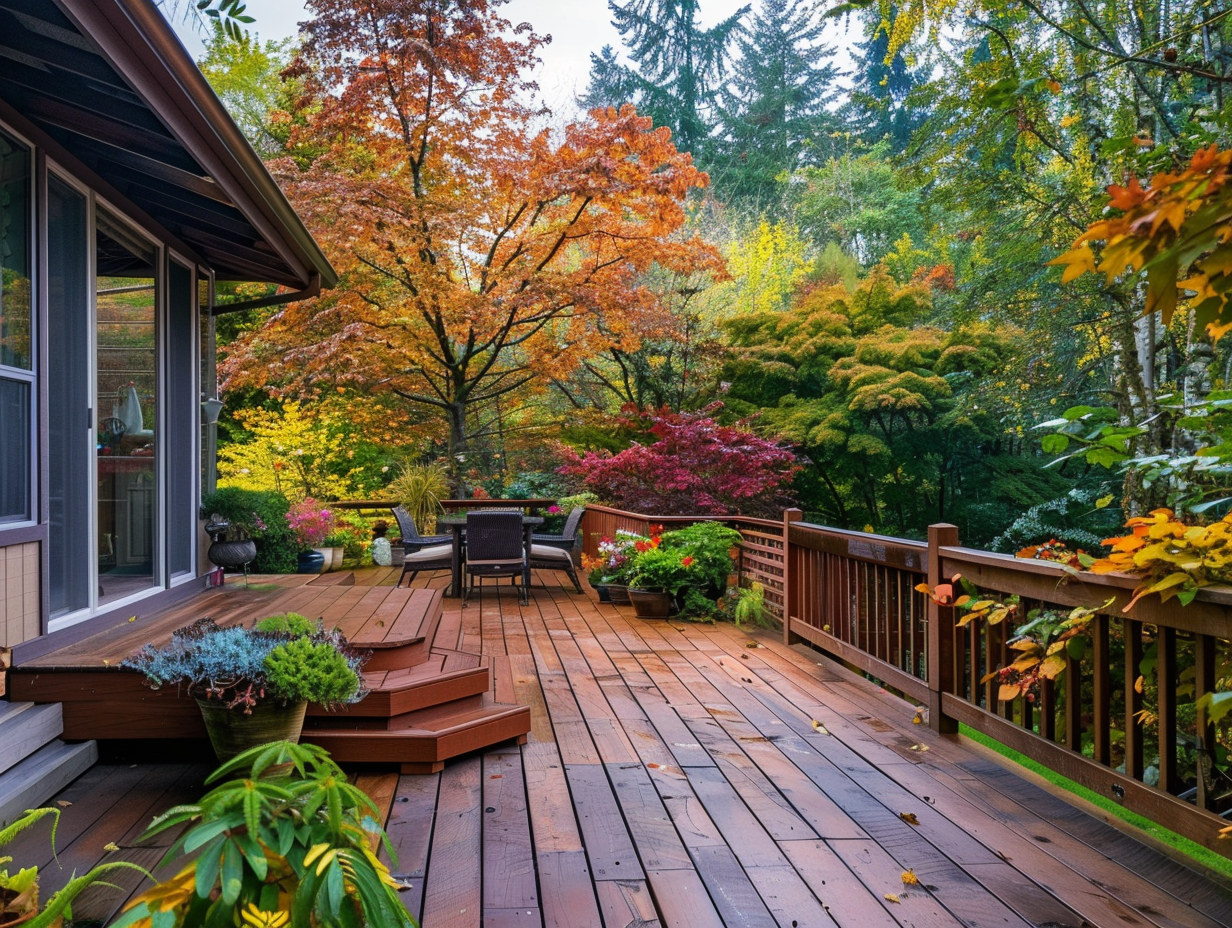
(290,452)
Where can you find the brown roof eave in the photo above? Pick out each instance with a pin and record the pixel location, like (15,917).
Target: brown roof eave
(138,41)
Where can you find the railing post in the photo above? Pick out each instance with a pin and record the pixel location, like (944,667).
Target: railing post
(940,633)
(789,595)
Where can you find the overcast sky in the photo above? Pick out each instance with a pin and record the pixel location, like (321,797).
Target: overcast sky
(577,28)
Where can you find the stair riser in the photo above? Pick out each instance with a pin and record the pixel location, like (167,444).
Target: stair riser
(41,776)
(398,722)
(24,733)
(392,703)
(424,748)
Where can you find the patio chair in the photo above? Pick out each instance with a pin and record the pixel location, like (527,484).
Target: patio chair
(435,557)
(568,538)
(411,539)
(494,548)
(545,557)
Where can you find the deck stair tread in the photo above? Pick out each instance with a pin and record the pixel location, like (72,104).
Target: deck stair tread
(433,682)
(26,727)
(43,774)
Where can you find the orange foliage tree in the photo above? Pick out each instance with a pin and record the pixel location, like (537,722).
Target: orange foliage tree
(475,253)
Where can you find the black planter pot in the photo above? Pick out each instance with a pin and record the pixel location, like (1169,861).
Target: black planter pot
(233,554)
(310,562)
(619,593)
(605,594)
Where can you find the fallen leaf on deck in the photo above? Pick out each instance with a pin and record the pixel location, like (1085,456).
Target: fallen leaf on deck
(744,657)
(910,879)
(746,680)
(909,818)
(750,644)
(919,717)
(819,728)
(890,897)
(111,846)
(63,803)
(132,618)
(919,747)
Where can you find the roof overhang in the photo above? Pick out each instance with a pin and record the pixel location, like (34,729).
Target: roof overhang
(111,83)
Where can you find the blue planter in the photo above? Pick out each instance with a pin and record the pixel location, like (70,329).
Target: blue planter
(311,562)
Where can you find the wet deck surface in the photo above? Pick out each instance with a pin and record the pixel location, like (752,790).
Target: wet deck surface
(690,775)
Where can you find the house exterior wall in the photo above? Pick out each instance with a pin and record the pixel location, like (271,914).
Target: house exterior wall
(20,599)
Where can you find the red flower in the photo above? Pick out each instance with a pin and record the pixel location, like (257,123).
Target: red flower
(686,560)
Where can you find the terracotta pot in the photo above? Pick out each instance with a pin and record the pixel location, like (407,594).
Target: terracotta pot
(650,604)
(232,732)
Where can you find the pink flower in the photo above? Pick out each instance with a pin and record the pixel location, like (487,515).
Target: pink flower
(554,510)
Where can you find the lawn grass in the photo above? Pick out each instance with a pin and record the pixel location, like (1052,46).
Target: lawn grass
(1207,858)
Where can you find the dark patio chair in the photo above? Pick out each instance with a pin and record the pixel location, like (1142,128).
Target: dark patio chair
(411,539)
(434,557)
(494,548)
(545,557)
(568,538)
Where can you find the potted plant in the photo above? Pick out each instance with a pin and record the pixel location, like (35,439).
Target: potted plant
(710,545)
(656,577)
(311,524)
(254,684)
(282,839)
(256,517)
(607,570)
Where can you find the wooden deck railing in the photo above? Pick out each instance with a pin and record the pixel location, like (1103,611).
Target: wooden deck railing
(1122,720)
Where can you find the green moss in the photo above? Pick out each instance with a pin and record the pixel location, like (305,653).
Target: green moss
(1200,854)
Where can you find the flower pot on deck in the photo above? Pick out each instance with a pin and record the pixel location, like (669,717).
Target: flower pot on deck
(310,562)
(232,732)
(619,593)
(650,604)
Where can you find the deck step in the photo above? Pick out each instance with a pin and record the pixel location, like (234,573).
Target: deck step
(437,681)
(431,737)
(24,728)
(43,774)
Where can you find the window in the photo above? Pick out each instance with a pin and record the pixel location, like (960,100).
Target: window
(16,348)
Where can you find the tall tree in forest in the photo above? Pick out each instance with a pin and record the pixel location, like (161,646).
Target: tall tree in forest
(774,108)
(880,107)
(678,65)
(475,255)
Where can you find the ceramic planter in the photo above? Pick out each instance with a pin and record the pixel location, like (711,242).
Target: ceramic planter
(619,593)
(233,554)
(650,604)
(310,562)
(232,732)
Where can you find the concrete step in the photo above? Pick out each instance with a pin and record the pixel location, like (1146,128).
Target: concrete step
(26,727)
(41,775)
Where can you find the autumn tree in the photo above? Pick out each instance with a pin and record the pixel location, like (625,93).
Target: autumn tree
(475,254)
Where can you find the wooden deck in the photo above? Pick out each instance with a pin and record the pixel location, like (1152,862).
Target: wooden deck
(702,776)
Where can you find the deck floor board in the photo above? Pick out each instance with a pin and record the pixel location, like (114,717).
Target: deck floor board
(674,777)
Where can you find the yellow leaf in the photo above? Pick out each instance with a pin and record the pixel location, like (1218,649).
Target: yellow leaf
(909,818)
(1052,667)
(1139,684)
(910,879)
(1008,692)
(1103,501)
(111,846)
(890,897)
(819,728)
(919,717)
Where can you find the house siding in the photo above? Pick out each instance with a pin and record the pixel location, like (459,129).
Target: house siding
(19,594)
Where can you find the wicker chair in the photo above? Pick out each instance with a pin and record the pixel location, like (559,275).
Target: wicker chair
(545,557)
(568,538)
(434,557)
(411,539)
(494,548)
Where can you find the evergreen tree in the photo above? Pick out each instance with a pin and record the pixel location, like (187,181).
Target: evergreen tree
(880,106)
(611,83)
(775,107)
(678,66)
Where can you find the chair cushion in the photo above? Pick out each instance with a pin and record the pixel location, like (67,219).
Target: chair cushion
(433,553)
(547,553)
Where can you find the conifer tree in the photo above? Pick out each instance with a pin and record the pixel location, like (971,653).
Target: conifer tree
(774,110)
(678,66)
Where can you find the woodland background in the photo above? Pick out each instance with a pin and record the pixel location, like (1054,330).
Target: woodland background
(847,255)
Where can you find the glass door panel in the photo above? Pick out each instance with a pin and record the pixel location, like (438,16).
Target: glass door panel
(126,301)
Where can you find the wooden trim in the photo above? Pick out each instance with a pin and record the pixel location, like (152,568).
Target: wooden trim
(893,677)
(872,549)
(1198,825)
(25,534)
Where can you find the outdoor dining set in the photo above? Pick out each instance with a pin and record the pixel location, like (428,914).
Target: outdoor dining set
(499,541)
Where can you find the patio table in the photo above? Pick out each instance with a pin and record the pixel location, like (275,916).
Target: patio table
(457,525)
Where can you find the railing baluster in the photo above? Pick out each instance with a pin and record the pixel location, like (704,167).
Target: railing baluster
(1204,682)
(1101,668)
(1133,699)
(1073,704)
(1165,676)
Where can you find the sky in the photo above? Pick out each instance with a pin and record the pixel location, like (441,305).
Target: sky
(577,28)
